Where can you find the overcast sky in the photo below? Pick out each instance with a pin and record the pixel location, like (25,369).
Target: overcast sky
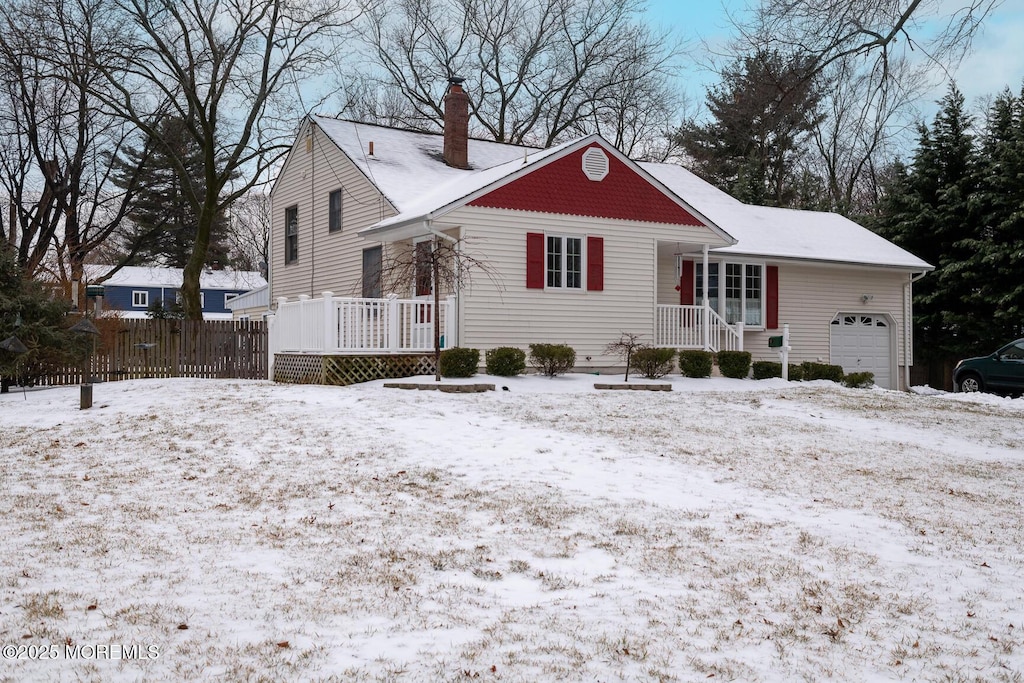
(997,62)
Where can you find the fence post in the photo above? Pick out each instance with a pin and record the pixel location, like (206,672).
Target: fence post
(303,298)
(330,336)
(394,326)
(271,342)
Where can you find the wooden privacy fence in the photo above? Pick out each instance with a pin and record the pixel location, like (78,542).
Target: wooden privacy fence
(140,349)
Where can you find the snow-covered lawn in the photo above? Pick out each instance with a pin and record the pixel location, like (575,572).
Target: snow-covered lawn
(728,530)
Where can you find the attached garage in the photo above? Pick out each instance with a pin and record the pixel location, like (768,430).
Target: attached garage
(864,343)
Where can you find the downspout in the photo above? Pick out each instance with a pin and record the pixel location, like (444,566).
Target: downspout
(908,325)
(705,302)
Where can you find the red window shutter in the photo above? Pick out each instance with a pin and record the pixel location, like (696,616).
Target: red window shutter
(771,297)
(534,260)
(686,282)
(595,264)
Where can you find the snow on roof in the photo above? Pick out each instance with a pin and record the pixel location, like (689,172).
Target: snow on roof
(784,233)
(407,165)
(461,187)
(409,170)
(160,276)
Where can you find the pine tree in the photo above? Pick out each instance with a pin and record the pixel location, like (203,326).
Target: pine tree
(998,252)
(163,221)
(764,107)
(38,319)
(930,209)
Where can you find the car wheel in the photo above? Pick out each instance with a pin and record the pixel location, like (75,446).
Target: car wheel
(971,383)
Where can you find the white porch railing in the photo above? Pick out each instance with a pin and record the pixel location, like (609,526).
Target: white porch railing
(332,324)
(695,327)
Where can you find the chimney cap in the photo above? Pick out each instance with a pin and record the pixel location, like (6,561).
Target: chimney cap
(456,80)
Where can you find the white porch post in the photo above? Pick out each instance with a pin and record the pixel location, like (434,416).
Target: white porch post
(739,336)
(705,340)
(329,332)
(450,323)
(394,328)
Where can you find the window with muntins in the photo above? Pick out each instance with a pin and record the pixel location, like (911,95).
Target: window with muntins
(291,234)
(712,284)
(564,262)
(140,299)
(334,211)
(738,296)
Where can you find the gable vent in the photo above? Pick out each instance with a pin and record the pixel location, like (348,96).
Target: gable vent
(595,164)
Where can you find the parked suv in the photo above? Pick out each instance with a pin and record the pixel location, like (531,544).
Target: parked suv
(1002,371)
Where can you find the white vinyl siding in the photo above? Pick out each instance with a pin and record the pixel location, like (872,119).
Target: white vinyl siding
(328,261)
(501,311)
(810,296)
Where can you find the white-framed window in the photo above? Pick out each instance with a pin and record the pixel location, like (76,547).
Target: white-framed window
(334,211)
(140,298)
(291,234)
(563,264)
(735,290)
(229,297)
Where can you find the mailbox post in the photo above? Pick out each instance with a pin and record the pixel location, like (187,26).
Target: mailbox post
(781,342)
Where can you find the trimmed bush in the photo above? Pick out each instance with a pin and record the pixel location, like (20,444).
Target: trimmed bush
(766,369)
(734,364)
(796,373)
(859,380)
(552,359)
(695,363)
(505,361)
(459,362)
(812,371)
(652,363)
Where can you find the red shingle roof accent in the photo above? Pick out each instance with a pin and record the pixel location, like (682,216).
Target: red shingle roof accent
(561,187)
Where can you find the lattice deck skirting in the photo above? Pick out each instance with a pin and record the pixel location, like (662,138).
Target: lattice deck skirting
(304,368)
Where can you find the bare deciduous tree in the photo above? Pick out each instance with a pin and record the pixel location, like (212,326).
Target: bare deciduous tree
(626,345)
(428,268)
(872,59)
(876,31)
(249,231)
(58,142)
(537,71)
(230,69)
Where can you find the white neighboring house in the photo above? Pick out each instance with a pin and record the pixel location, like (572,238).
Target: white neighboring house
(133,289)
(582,244)
(253,305)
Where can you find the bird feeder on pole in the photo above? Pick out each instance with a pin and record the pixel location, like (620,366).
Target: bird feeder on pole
(85,326)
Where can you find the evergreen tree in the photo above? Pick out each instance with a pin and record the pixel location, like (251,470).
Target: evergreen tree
(164,223)
(37,318)
(764,108)
(997,256)
(931,210)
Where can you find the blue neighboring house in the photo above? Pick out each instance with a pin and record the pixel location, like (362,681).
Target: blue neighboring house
(132,290)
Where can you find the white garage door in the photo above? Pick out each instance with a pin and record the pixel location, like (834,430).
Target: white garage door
(862,343)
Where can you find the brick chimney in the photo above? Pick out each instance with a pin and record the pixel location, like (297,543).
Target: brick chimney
(456,124)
